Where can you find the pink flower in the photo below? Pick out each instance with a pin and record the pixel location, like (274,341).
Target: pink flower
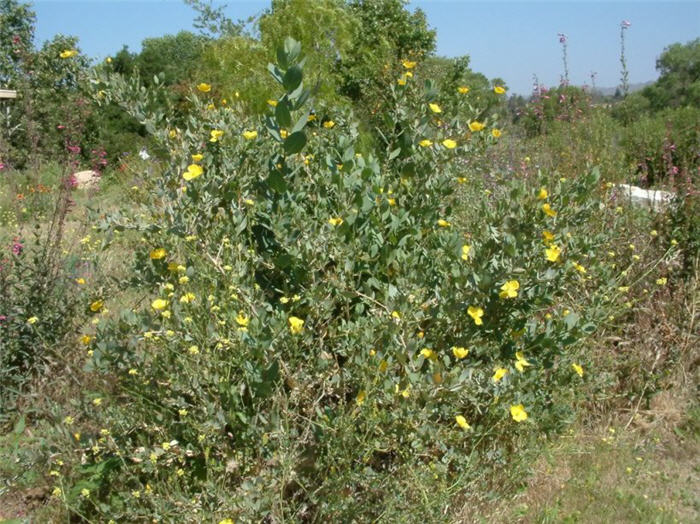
(625,24)
(16,247)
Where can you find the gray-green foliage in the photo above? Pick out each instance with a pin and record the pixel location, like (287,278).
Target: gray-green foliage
(313,318)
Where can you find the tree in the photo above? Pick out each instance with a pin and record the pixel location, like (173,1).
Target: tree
(679,81)
(176,56)
(386,33)
(17,21)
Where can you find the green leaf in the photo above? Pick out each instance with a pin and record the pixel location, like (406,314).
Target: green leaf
(301,123)
(571,320)
(295,143)
(292,78)
(275,72)
(19,426)
(284,118)
(282,58)
(276,182)
(292,49)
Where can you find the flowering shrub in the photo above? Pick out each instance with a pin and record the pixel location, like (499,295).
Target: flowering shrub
(321,327)
(40,306)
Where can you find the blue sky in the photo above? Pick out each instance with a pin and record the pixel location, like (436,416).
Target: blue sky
(508,39)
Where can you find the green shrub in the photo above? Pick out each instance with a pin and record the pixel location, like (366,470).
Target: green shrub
(326,333)
(40,304)
(665,147)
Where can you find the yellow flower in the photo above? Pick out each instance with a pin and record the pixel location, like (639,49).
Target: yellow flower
(284,133)
(408,74)
(449,144)
(272,103)
(360,399)
(499,373)
(396,315)
(204,88)
(548,210)
(215,135)
(184,279)
(85,492)
(462,422)
(521,362)
(159,304)
(193,350)
(462,90)
(97,401)
(476,126)
(242,319)
(578,369)
(80,281)
(435,108)
(547,237)
(227,521)
(509,289)
(578,267)
(542,195)
(97,305)
(296,325)
(32,320)
(193,171)
(476,313)
(518,413)
(85,339)
(459,352)
(408,64)
(197,157)
(461,179)
(552,253)
(443,223)
(661,281)
(499,90)
(68,53)
(428,353)
(328,124)
(158,253)
(250,135)
(401,81)
(496,133)
(187,298)
(465,252)
(337,221)
(425,143)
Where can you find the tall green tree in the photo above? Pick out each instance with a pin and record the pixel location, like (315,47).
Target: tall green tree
(679,81)
(17,22)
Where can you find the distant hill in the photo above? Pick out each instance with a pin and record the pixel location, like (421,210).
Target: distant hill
(610,91)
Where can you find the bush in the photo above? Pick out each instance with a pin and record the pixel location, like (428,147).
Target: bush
(327,333)
(40,304)
(664,147)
